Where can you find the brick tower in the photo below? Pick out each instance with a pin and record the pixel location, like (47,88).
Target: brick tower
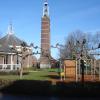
(45,37)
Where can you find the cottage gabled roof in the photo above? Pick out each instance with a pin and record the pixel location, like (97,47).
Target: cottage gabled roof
(9,40)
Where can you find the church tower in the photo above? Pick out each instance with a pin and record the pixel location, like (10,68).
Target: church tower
(45,37)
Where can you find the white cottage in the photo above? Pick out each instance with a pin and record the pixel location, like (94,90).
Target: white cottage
(10,59)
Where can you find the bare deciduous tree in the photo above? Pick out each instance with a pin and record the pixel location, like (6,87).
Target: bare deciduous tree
(73,43)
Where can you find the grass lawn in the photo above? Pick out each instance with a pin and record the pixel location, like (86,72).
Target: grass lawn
(39,75)
(55,70)
(30,75)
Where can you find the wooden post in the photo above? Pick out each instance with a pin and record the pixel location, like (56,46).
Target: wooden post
(86,68)
(94,69)
(82,67)
(76,72)
(79,71)
(99,69)
(64,72)
(60,70)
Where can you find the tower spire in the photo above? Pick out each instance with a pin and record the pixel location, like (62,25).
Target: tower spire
(10,28)
(46,8)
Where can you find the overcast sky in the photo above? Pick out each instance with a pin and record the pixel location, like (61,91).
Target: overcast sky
(66,16)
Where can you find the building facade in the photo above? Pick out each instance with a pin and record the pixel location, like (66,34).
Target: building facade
(11,52)
(45,37)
